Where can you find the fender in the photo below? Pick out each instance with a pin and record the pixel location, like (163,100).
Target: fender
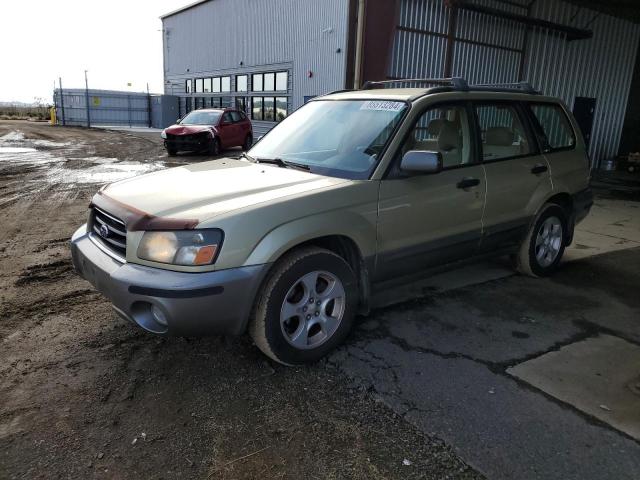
(355,226)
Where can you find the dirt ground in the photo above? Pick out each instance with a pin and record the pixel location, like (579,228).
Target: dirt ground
(85,395)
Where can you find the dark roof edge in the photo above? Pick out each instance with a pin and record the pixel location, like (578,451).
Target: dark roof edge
(182,9)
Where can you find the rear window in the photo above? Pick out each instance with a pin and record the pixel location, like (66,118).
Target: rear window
(555,126)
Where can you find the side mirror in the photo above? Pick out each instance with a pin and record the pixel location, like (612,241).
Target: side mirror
(417,161)
(178,121)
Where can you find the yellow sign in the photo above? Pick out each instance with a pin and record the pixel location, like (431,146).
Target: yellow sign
(96,101)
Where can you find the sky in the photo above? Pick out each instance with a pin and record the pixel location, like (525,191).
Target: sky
(117,41)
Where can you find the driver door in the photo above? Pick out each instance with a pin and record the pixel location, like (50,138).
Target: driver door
(432,219)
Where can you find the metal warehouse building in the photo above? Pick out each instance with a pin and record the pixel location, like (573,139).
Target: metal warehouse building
(270,56)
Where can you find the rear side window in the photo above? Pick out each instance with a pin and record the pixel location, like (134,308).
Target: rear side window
(555,126)
(502,132)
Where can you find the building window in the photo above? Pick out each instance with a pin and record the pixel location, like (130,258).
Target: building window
(225,84)
(207,85)
(188,105)
(241,83)
(269,109)
(216,85)
(256,108)
(269,112)
(241,103)
(199,85)
(256,82)
(187,86)
(281,81)
(269,82)
(281,108)
(226,102)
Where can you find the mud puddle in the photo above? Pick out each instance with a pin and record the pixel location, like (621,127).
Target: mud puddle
(45,165)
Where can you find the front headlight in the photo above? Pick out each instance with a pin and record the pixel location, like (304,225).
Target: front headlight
(163,134)
(184,247)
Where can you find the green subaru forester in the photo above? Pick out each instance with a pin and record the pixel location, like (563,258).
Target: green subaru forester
(352,192)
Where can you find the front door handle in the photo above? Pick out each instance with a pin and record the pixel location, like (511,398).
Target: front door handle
(468,183)
(538,169)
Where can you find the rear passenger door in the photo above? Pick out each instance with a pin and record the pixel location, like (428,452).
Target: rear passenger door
(517,173)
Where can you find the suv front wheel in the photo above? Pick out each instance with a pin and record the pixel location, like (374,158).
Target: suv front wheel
(542,249)
(306,306)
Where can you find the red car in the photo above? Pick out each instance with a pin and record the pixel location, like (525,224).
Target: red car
(209,130)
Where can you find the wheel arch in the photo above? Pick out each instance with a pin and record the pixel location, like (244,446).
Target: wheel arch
(348,249)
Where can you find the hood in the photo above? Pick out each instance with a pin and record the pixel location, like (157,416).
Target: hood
(187,129)
(202,191)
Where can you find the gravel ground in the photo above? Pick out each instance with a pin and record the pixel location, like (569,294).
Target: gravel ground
(85,395)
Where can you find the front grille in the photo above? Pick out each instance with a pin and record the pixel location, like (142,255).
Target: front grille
(109,232)
(191,138)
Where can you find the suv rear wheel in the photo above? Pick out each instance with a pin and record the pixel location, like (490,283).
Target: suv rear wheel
(541,251)
(306,307)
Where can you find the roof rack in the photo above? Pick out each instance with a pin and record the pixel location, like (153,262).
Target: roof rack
(523,86)
(455,82)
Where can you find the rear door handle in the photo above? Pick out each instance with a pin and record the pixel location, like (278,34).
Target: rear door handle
(468,183)
(538,169)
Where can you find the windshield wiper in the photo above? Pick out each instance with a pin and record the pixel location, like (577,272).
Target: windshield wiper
(283,163)
(247,156)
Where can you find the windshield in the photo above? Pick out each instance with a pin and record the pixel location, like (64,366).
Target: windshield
(341,138)
(201,118)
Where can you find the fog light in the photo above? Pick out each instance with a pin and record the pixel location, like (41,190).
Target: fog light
(159,316)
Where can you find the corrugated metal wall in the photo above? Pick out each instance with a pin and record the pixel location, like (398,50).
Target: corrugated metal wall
(600,67)
(107,107)
(230,37)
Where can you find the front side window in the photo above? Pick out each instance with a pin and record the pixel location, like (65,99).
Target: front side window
(502,132)
(188,86)
(555,125)
(241,83)
(235,116)
(199,85)
(337,138)
(444,129)
(201,118)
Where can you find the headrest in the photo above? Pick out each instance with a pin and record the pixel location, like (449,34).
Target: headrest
(449,137)
(499,136)
(434,127)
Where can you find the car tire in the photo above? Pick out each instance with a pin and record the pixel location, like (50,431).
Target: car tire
(541,251)
(306,306)
(171,152)
(248,142)
(214,147)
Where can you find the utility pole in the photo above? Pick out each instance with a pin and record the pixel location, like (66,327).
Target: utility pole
(86,95)
(61,101)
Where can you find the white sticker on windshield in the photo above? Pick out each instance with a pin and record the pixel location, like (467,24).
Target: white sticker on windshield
(385,105)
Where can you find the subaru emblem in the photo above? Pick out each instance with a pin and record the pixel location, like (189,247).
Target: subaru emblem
(104,231)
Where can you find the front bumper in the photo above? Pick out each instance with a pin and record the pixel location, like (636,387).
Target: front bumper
(187,143)
(168,302)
